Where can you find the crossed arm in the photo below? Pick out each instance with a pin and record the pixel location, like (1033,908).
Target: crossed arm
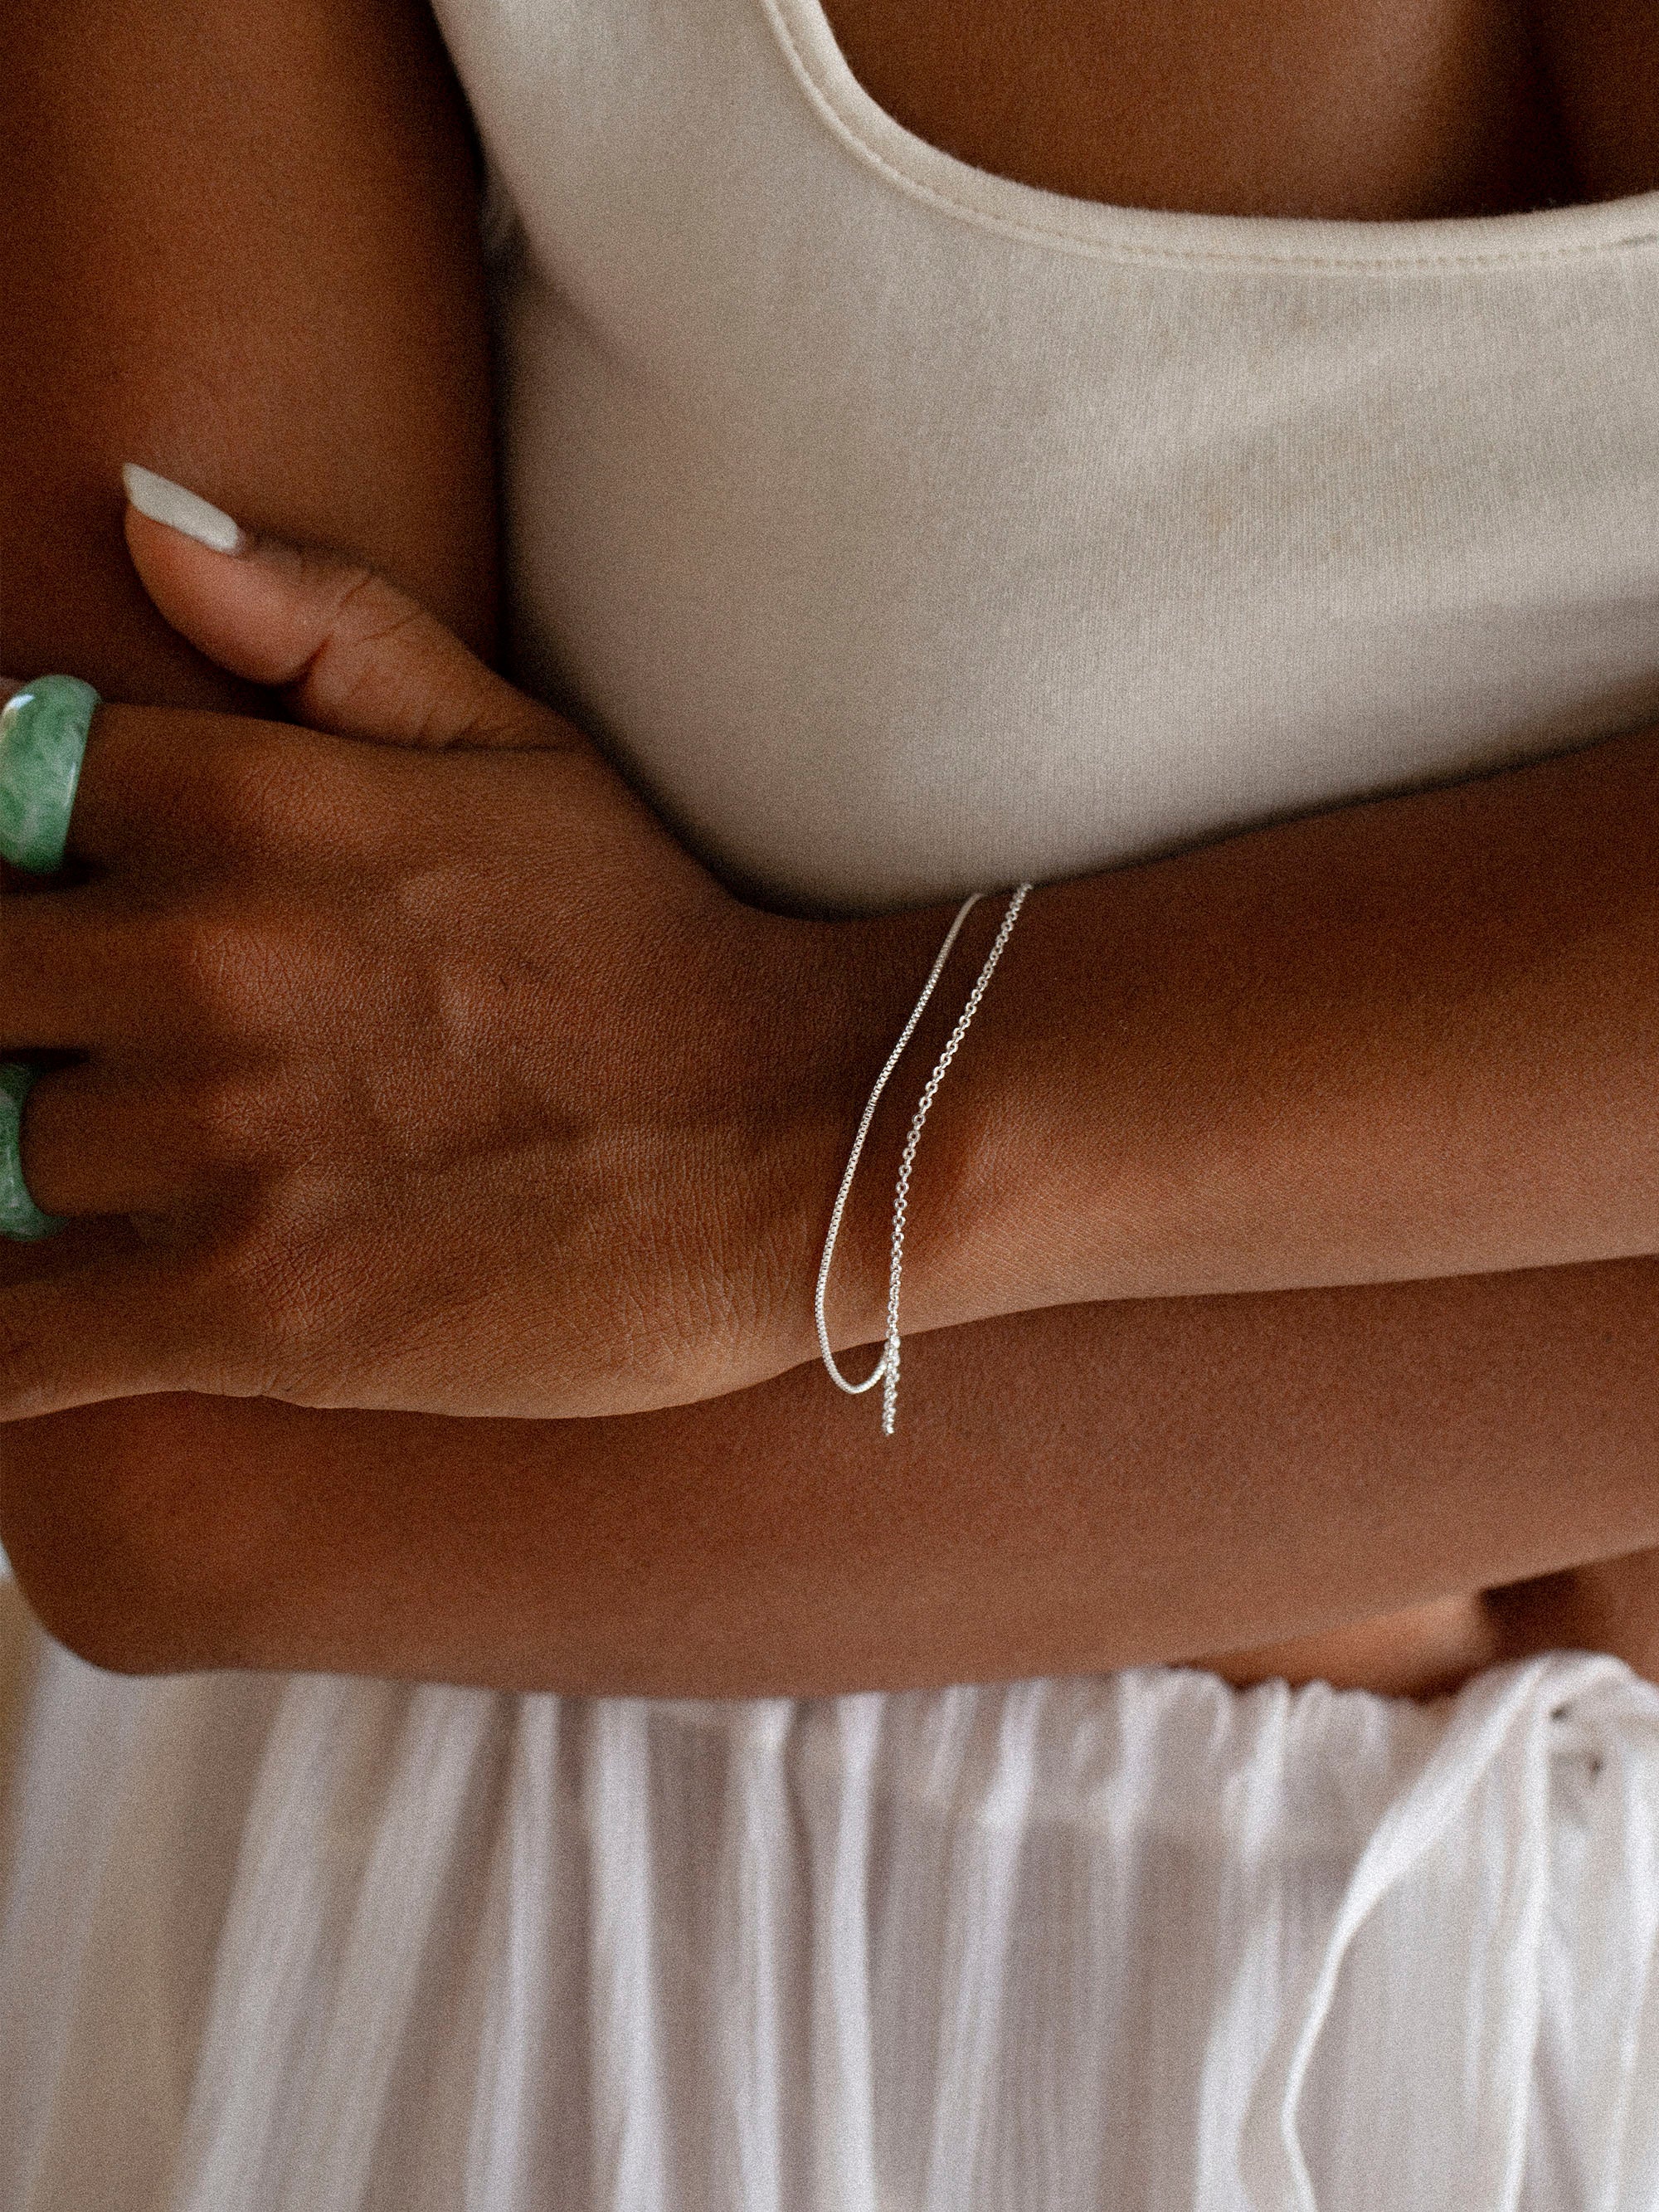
(1093,1483)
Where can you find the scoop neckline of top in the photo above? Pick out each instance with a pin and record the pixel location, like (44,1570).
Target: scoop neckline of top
(1066,224)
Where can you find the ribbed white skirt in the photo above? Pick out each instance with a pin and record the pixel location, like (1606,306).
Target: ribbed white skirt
(1133,1943)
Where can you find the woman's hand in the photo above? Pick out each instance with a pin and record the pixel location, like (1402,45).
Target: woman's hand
(428,1070)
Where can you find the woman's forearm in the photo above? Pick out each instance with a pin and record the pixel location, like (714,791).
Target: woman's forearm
(1072,1490)
(1404,1039)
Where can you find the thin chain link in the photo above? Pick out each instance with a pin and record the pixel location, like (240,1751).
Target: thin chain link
(889,1358)
(944,954)
(886,1369)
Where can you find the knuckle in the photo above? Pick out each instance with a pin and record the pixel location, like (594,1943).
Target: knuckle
(369,616)
(370,613)
(229,972)
(230,1117)
(364,602)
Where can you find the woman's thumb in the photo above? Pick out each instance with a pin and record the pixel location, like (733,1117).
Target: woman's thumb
(352,654)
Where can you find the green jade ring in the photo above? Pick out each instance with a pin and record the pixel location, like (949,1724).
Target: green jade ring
(43,742)
(20,1216)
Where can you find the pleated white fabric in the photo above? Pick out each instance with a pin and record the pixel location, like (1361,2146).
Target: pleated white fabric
(1135,1943)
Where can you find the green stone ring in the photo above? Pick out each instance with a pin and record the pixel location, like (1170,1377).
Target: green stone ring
(43,741)
(20,1216)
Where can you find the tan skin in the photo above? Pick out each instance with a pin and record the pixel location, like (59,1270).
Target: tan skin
(363,1484)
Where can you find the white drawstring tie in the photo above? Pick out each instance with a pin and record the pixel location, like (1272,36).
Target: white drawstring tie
(1505,1715)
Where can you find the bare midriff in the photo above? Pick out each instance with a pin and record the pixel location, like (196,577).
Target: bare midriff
(1377,111)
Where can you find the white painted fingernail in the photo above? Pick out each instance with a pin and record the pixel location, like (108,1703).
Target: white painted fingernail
(163,500)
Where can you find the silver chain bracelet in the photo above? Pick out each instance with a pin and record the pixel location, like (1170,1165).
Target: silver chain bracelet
(887,1368)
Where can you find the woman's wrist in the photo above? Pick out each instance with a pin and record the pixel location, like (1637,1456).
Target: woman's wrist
(1203,1076)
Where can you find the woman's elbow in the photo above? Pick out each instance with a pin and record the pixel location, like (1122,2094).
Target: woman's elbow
(123,1526)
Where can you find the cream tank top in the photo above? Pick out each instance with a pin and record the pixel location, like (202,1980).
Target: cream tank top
(900,529)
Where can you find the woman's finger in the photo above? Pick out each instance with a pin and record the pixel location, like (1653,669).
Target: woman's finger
(355,656)
(99,1137)
(67,979)
(183,792)
(124,1325)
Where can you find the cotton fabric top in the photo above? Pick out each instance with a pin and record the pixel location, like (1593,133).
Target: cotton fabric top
(903,530)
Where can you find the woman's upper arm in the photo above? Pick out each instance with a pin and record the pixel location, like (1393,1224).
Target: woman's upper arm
(241,247)
(239,244)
